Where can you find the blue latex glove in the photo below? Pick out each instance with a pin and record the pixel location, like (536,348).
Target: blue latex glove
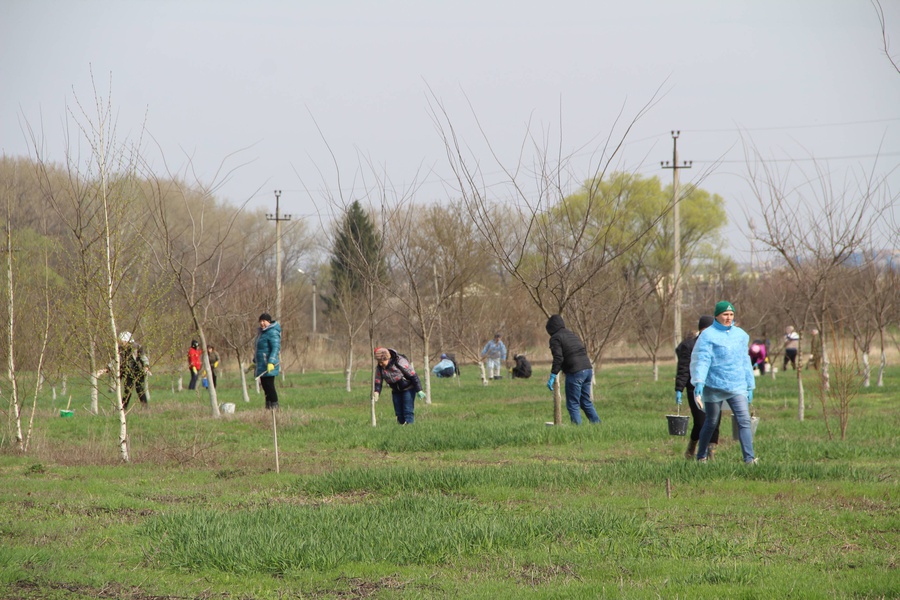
(750,397)
(677,397)
(420,395)
(698,389)
(551,381)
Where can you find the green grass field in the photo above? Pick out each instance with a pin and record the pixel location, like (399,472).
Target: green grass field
(478,499)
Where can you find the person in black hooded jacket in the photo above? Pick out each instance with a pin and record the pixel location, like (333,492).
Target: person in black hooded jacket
(683,382)
(570,357)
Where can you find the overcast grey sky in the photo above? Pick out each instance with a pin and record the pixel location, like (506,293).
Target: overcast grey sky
(800,78)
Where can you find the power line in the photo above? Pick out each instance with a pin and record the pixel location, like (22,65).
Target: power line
(805,159)
(787,127)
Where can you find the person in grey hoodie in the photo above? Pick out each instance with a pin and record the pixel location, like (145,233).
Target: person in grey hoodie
(721,372)
(570,357)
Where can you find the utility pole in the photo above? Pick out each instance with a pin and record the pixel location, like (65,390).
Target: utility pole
(676,272)
(278,218)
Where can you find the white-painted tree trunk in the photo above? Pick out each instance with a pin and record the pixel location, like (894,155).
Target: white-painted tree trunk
(348,372)
(427,372)
(244,393)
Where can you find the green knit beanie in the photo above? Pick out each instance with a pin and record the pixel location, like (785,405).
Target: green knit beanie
(723,306)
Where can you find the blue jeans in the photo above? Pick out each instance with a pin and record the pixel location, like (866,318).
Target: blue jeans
(404,405)
(578,396)
(740,408)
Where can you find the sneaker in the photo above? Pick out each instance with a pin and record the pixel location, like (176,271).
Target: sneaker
(755,461)
(702,460)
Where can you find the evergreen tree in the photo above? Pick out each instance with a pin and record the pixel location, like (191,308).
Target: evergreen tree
(356,258)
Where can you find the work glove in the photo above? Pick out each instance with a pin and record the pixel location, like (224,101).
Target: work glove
(270,367)
(678,397)
(749,396)
(193,370)
(216,365)
(698,390)
(420,395)
(551,381)
(375,396)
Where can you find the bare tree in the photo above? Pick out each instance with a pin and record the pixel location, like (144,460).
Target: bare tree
(814,229)
(553,243)
(884,36)
(426,257)
(195,242)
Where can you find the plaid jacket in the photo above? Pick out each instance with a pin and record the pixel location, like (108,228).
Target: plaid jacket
(398,374)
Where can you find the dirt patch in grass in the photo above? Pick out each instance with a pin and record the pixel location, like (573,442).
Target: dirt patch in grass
(361,588)
(534,575)
(27,590)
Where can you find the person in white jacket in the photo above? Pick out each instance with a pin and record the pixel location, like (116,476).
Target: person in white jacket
(495,352)
(721,372)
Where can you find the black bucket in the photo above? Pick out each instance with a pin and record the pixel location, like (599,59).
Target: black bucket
(677,424)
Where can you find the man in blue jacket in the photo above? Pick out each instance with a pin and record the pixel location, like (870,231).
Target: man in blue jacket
(721,372)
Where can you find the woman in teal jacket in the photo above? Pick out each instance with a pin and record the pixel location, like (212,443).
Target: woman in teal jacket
(721,372)
(268,363)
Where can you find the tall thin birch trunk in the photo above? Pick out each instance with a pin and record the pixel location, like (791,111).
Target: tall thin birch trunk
(100,149)
(43,354)
(11,361)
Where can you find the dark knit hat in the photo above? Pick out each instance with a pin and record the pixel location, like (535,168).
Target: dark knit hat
(705,321)
(723,306)
(265,317)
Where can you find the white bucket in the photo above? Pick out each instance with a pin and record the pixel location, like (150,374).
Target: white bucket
(735,430)
(228,408)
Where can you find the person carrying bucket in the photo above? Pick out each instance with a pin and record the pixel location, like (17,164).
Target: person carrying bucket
(721,372)
(683,383)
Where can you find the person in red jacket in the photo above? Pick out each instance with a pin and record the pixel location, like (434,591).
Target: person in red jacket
(194,355)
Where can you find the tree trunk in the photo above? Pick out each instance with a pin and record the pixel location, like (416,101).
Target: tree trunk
(557,402)
(867,369)
(244,393)
(372,408)
(426,370)
(10,340)
(348,372)
(213,396)
(94,377)
(95,391)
